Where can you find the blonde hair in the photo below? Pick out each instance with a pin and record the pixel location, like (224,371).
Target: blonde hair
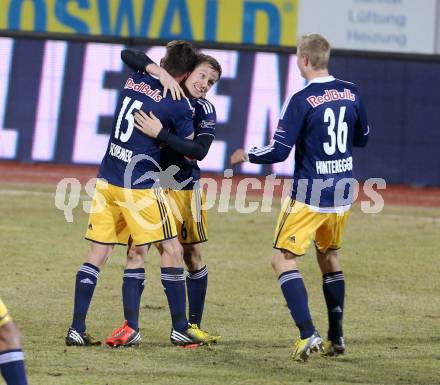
(317,48)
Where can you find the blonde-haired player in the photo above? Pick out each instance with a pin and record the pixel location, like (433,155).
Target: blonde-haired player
(323,122)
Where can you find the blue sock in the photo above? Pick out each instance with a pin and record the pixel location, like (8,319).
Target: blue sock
(196,285)
(333,285)
(295,294)
(86,279)
(173,281)
(12,367)
(132,289)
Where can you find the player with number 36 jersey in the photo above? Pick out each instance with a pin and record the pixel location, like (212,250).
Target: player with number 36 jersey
(322,122)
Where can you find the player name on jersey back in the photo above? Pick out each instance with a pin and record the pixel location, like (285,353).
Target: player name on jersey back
(120,152)
(330,96)
(334,166)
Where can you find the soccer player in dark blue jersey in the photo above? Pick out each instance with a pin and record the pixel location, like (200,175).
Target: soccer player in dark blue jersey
(129,203)
(322,122)
(185,196)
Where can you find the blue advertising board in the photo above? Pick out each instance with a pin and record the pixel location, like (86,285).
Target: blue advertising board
(60,108)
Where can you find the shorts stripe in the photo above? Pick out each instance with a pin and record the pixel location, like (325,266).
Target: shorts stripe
(167,216)
(159,204)
(201,230)
(201,218)
(283,220)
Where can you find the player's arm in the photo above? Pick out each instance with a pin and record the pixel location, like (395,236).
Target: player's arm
(362,129)
(273,153)
(138,61)
(195,149)
(152,126)
(284,139)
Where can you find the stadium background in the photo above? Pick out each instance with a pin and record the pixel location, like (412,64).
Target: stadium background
(60,63)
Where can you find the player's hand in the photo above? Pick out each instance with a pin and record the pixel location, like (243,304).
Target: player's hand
(239,156)
(170,84)
(149,125)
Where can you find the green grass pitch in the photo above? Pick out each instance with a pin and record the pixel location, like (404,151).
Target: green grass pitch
(392,317)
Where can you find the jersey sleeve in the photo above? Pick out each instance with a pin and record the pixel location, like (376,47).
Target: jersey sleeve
(195,149)
(273,153)
(361,129)
(291,121)
(182,119)
(136,60)
(205,118)
(289,126)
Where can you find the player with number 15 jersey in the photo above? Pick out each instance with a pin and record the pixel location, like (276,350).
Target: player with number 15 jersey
(141,92)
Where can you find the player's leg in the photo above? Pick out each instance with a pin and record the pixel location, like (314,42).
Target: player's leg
(328,240)
(294,291)
(150,220)
(196,287)
(333,286)
(191,225)
(133,284)
(11,355)
(295,230)
(85,283)
(173,280)
(104,221)
(196,282)
(132,288)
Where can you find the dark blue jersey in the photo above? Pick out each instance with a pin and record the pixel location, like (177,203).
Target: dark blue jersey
(323,121)
(130,147)
(204,124)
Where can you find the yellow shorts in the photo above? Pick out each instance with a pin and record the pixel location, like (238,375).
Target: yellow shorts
(118,213)
(190,219)
(4,314)
(298,225)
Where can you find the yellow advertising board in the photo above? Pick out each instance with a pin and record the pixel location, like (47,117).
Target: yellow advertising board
(267,22)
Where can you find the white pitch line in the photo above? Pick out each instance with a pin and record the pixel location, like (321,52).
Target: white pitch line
(25,193)
(12,192)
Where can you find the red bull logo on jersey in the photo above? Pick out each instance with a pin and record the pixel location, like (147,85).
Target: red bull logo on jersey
(144,88)
(331,95)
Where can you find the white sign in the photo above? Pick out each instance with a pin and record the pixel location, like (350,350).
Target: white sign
(377,25)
